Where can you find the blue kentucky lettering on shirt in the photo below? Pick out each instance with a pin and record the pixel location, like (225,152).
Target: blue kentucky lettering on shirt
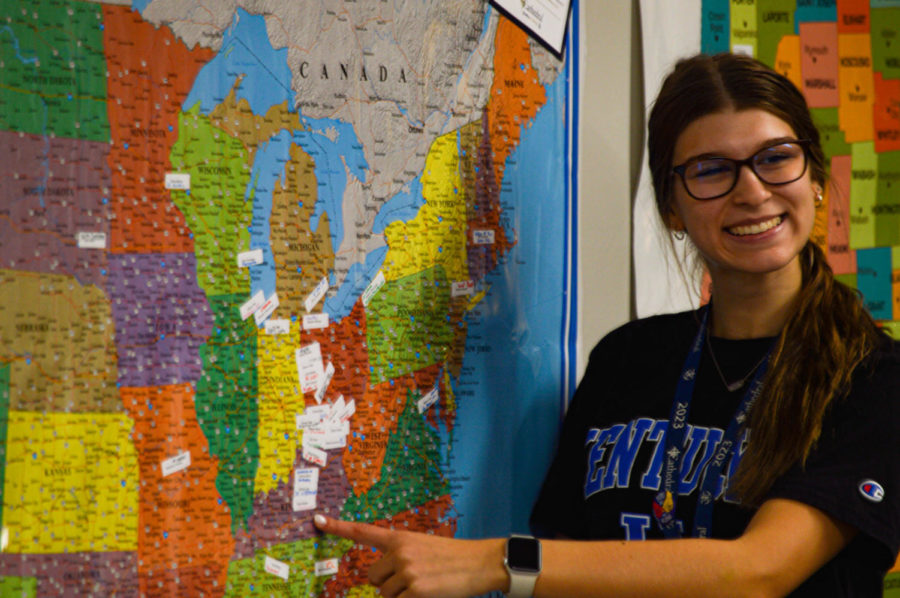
(614,450)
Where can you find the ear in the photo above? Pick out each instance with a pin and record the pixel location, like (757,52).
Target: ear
(818,194)
(674,222)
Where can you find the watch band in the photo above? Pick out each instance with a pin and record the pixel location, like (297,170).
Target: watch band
(521,585)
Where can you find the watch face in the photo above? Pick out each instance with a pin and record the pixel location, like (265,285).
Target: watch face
(523,554)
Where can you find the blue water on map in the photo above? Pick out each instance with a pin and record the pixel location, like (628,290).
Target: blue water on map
(486,20)
(139,5)
(402,207)
(15,41)
(512,414)
(245,52)
(332,144)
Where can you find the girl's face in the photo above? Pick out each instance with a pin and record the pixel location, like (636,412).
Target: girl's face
(756,228)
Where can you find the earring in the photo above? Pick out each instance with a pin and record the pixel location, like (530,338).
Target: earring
(819,198)
(679,234)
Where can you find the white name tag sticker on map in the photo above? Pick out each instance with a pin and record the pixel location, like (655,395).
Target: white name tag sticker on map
(309,367)
(428,400)
(315,455)
(312,416)
(277,568)
(178,180)
(310,302)
(348,411)
(254,257)
(483,237)
(315,321)
(91,240)
(330,439)
(252,306)
(278,326)
(323,384)
(327,567)
(462,287)
(373,287)
(334,415)
(266,309)
(306,486)
(175,464)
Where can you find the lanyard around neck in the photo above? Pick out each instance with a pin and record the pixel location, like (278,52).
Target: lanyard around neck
(665,500)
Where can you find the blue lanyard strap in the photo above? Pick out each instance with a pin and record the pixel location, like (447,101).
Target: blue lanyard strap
(665,501)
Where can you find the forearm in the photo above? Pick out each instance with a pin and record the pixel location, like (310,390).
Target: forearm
(691,567)
(785,543)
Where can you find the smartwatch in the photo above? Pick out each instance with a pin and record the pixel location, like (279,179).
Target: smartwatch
(523,563)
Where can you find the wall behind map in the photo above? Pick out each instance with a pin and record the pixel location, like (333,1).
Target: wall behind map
(610,152)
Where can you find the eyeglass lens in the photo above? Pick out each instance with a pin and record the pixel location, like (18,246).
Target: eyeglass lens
(708,178)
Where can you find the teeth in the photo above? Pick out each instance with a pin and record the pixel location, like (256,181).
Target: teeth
(755,229)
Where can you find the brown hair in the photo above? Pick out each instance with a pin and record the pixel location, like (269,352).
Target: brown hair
(829,332)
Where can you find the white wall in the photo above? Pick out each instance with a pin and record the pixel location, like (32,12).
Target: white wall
(610,144)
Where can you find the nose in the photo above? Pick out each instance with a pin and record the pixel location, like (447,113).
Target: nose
(749,188)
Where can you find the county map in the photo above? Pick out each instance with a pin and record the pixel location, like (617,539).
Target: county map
(261,260)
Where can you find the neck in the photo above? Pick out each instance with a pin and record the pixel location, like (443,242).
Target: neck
(753,305)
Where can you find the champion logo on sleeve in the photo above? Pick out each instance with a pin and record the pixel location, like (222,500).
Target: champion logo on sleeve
(871,490)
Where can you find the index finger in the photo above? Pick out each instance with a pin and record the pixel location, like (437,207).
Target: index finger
(361,533)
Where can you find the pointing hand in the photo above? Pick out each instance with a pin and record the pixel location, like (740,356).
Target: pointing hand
(418,565)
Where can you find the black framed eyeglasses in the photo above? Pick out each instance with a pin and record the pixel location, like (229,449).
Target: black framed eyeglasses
(712,177)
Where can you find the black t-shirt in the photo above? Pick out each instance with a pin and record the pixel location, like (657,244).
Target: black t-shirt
(608,466)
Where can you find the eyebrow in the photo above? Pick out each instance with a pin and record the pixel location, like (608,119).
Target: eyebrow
(763,145)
